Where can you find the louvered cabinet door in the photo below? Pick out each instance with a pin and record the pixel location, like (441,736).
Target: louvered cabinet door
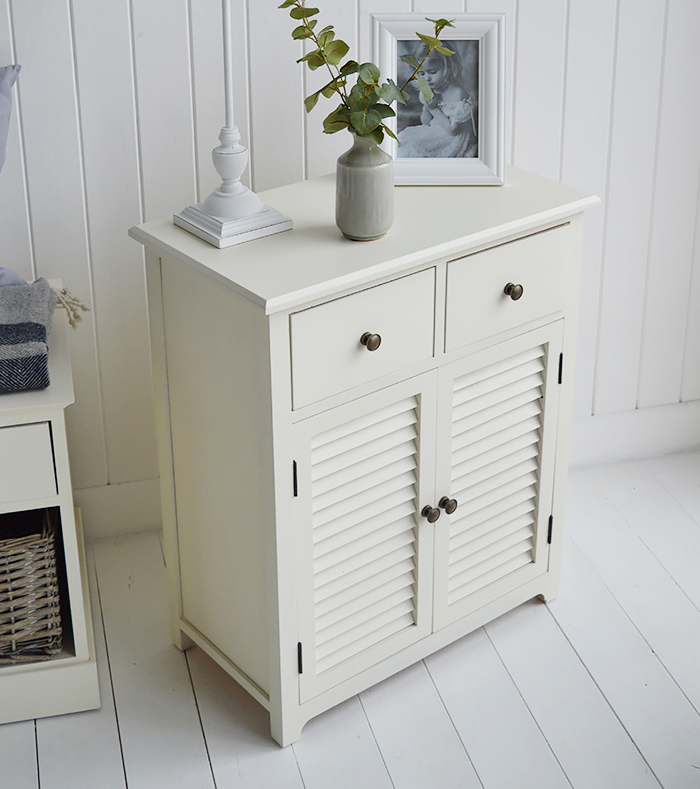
(364,563)
(496,442)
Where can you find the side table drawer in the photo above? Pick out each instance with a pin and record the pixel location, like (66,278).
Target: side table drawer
(477,305)
(26,463)
(327,351)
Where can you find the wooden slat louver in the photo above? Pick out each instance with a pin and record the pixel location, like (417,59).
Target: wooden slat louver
(496,442)
(363,491)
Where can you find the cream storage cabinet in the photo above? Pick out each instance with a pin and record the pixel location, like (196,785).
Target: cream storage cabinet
(363,447)
(35,483)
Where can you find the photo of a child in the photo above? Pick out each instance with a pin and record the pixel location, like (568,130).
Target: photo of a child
(446,126)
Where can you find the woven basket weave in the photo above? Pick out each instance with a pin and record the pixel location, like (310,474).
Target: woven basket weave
(30,616)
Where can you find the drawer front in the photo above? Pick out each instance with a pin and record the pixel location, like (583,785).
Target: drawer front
(328,356)
(26,463)
(477,305)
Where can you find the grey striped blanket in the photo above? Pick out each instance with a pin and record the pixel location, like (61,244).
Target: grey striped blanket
(25,321)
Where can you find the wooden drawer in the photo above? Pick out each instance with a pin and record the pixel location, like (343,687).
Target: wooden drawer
(26,463)
(477,306)
(327,353)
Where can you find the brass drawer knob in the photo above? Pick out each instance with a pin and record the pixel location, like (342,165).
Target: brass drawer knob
(431,513)
(449,505)
(371,341)
(514,291)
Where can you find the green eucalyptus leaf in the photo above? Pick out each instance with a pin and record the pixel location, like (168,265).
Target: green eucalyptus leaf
(376,135)
(325,37)
(390,132)
(336,51)
(313,59)
(351,67)
(390,92)
(302,31)
(311,101)
(337,120)
(357,101)
(444,50)
(440,22)
(366,121)
(287,3)
(425,88)
(431,41)
(410,60)
(369,73)
(302,12)
(384,110)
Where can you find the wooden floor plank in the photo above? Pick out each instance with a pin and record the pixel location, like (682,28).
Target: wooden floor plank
(415,734)
(588,740)
(91,738)
(503,740)
(337,749)
(18,758)
(665,616)
(652,512)
(161,735)
(680,475)
(237,731)
(658,717)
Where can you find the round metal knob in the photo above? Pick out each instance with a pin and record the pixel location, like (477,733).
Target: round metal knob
(449,505)
(371,341)
(514,291)
(431,513)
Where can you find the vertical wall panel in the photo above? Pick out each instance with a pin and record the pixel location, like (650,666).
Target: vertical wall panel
(628,202)
(540,60)
(589,75)
(15,248)
(108,122)
(55,177)
(675,210)
(277,121)
(691,364)
(509,8)
(164,94)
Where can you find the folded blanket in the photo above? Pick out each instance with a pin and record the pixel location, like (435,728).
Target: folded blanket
(25,321)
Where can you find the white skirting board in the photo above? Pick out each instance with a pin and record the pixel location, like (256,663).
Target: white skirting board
(113,510)
(631,435)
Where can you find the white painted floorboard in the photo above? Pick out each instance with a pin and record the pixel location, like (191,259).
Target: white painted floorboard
(598,689)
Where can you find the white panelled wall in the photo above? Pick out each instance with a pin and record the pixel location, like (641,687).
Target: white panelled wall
(120,102)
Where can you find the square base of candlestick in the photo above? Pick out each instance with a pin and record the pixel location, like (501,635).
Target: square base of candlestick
(227,232)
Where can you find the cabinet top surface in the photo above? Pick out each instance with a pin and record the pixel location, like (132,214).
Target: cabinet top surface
(313,260)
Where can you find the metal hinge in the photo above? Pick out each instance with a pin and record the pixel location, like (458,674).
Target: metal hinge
(561,365)
(296,484)
(299,660)
(549,532)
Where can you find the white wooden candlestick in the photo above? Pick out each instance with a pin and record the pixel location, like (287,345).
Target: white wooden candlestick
(232,213)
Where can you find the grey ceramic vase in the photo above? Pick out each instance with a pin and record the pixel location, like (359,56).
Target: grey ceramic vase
(364,191)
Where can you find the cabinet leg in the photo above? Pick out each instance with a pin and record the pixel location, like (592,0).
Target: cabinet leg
(285,731)
(181,640)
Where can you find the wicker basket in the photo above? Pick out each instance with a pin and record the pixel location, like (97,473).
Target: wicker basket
(30,616)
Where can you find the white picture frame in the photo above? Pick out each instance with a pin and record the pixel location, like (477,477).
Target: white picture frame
(479,40)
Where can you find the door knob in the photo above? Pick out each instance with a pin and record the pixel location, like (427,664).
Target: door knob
(431,513)
(514,291)
(449,505)
(371,341)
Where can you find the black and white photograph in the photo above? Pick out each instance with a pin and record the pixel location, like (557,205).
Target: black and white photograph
(457,136)
(446,126)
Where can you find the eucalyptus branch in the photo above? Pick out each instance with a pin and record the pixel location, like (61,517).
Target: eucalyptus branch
(365,107)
